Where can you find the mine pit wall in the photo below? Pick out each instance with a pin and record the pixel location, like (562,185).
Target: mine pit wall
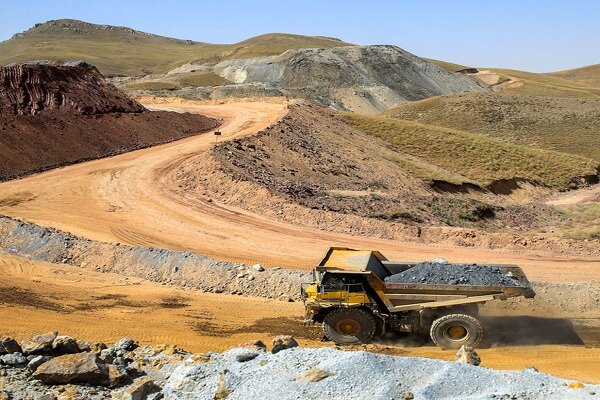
(194,271)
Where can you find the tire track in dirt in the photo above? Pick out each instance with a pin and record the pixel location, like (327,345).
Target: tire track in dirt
(134,198)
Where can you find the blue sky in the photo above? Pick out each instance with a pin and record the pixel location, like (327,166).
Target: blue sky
(541,36)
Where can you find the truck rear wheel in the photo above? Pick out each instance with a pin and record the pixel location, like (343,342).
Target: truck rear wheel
(349,326)
(455,330)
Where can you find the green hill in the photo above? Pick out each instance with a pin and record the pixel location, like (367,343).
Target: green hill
(127,52)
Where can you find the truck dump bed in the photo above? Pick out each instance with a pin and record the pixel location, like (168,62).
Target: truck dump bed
(375,268)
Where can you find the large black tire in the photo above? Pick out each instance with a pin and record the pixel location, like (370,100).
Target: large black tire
(349,326)
(455,330)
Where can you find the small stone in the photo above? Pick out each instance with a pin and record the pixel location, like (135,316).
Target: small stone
(39,344)
(107,355)
(223,387)
(283,342)
(65,345)
(468,355)
(9,345)
(13,359)
(126,344)
(259,344)
(140,389)
(4,395)
(258,267)
(244,355)
(36,361)
(315,374)
(408,396)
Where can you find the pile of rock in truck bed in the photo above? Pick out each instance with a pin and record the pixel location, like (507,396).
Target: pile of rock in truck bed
(444,273)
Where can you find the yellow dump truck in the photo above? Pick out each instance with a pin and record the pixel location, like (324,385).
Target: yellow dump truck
(350,296)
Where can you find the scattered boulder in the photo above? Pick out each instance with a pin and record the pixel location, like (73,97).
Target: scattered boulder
(13,359)
(65,345)
(258,267)
(9,345)
(125,344)
(468,355)
(258,344)
(315,374)
(39,344)
(115,376)
(36,361)
(141,389)
(74,368)
(84,345)
(283,342)
(4,395)
(243,355)
(224,388)
(108,355)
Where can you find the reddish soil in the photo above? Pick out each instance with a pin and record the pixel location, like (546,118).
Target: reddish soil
(51,116)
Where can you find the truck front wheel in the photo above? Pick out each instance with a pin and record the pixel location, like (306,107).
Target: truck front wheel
(455,330)
(349,326)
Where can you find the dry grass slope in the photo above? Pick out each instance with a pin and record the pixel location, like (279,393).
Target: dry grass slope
(477,157)
(589,75)
(564,124)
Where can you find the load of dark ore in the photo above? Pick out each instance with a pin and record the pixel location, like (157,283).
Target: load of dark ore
(455,274)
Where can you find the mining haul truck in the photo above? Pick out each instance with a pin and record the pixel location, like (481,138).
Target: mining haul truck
(354,301)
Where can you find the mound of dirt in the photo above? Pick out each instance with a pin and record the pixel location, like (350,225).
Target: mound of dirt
(75,87)
(455,274)
(54,115)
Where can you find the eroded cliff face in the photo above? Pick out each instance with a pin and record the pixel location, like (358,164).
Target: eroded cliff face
(74,87)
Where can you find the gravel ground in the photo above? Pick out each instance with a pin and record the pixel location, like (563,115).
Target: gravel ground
(455,274)
(327,373)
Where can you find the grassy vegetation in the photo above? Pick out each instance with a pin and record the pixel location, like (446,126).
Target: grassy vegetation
(583,221)
(152,85)
(448,66)
(478,158)
(533,84)
(589,76)
(122,51)
(566,124)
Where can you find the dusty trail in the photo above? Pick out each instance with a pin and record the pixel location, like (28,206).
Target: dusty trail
(37,297)
(132,198)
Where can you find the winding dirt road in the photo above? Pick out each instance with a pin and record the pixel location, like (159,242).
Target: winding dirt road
(130,198)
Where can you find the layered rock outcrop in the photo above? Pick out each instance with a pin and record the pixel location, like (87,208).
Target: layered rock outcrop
(76,87)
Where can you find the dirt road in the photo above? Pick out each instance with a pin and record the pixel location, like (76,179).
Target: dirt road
(130,199)
(37,297)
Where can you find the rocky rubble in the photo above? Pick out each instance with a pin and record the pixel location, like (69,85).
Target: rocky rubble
(126,371)
(455,274)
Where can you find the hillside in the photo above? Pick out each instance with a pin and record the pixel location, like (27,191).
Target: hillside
(589,75)
(565,124)
(484,161)
(121,51)
(53,115)
(366,79)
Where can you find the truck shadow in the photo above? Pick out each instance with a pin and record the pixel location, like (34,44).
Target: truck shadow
(528,330)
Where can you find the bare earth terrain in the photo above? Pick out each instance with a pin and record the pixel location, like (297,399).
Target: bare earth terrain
(38,297)
(133,198)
